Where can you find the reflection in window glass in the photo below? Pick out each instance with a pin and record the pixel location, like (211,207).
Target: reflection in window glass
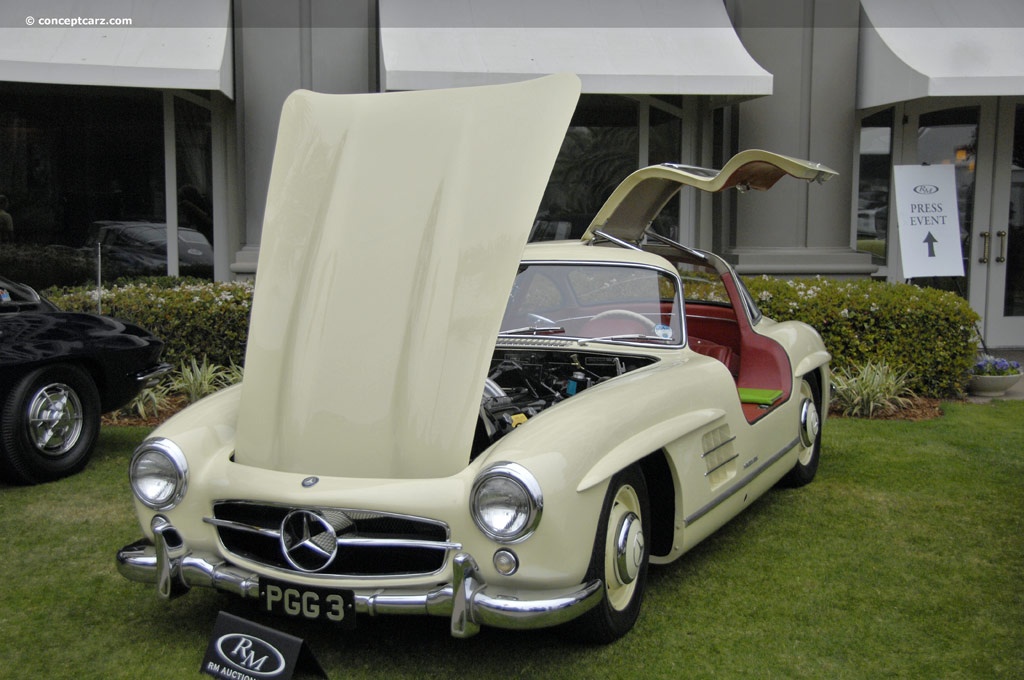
(71,158)
(950,137)
(873,188)
(82,170)
(1014,299)
(666,141)
(599,151)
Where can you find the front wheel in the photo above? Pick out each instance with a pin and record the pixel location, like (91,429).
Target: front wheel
(50,421)
(619,559)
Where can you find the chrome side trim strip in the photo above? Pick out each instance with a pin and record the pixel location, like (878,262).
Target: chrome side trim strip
(707,453)
(722,464)
(739,485)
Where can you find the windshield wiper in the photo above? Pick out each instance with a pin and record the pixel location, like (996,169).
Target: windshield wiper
(628,337)
(534,330)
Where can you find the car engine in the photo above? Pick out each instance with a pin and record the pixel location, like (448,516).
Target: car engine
(522,383)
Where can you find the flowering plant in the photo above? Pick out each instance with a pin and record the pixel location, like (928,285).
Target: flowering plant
(989,365)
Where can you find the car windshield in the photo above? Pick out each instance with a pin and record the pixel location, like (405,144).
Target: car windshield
(619,303)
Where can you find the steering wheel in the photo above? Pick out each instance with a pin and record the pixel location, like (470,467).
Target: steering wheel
(625,315)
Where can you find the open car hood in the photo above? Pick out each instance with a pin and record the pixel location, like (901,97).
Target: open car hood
(641,196)
(394,227)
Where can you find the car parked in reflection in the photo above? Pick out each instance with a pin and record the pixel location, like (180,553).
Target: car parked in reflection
(140,248)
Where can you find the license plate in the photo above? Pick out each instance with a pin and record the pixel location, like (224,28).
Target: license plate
(319,604)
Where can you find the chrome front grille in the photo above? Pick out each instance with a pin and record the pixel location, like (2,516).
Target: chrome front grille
(332,541)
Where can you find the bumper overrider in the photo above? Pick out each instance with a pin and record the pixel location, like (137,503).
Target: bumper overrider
(168,563)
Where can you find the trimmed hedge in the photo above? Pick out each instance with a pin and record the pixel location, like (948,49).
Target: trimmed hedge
(927,332)
(194,317)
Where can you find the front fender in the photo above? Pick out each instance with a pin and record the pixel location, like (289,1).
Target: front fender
(575,447)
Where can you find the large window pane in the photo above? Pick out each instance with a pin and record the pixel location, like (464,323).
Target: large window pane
(599,151)
(1014,300)
(950,137)
(666,132)
(873,187)
(82,173)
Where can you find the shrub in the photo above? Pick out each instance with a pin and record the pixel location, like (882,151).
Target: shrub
(927,333)
(873,389)
(195,318)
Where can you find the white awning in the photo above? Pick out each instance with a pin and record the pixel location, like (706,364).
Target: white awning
(185,44)
(938,48)
(640,47)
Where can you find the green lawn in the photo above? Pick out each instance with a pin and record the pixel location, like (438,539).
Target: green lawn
(905,558)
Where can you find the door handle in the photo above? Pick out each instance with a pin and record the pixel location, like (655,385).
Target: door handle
(1002,246)
(986,237)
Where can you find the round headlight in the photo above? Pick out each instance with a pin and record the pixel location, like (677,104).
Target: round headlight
(506,503)
(158,474)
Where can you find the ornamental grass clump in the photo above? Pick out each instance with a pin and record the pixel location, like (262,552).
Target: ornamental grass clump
(870,391)
(195,380)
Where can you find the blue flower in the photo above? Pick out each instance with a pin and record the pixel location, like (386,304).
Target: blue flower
(988,365)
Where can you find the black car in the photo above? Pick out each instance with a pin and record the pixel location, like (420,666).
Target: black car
(58,372)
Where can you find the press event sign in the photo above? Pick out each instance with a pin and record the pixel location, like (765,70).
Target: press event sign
(929,222)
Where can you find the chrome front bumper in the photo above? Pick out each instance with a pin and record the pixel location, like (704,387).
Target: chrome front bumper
(151,376)
(169,564)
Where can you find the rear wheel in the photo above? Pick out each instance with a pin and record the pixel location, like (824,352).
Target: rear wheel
(619,558)
(810,434)
(50,421)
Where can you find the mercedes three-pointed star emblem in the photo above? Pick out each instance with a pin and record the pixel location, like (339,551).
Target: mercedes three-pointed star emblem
(308,541)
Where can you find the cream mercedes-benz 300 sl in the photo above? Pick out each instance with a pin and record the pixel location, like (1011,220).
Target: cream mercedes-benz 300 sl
(438,419)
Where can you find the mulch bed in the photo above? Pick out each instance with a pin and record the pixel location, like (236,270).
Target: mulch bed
(919,409)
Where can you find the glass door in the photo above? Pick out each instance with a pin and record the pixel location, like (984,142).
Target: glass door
(942,132)
(1001,246)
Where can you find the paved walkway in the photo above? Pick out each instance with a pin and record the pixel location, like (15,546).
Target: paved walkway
(1015,392)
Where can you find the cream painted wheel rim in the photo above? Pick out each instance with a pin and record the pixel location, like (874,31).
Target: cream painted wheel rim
(810,423)
(624,548)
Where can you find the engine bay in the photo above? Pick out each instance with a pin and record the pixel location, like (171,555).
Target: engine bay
(522,383)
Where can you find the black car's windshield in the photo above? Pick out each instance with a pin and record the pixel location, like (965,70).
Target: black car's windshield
(595,302)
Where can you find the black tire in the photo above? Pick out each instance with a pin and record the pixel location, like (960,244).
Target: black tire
(625,513)
(810,434)
(48,425)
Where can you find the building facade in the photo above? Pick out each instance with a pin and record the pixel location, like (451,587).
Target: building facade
(171,121)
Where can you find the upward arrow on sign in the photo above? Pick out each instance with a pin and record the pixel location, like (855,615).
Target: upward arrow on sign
(931,241)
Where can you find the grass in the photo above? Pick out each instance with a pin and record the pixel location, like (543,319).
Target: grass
(903,559)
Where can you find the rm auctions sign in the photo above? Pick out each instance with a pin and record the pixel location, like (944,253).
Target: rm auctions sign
(928,220)
(243,650)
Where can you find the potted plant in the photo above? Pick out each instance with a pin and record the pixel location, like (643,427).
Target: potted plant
(992,376)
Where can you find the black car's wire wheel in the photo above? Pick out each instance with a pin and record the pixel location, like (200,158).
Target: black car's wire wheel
(620,559)
(50,421)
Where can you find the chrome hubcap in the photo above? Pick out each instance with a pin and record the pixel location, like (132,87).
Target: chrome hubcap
(55,419)
(624,551)
(810,425)
(629,549)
